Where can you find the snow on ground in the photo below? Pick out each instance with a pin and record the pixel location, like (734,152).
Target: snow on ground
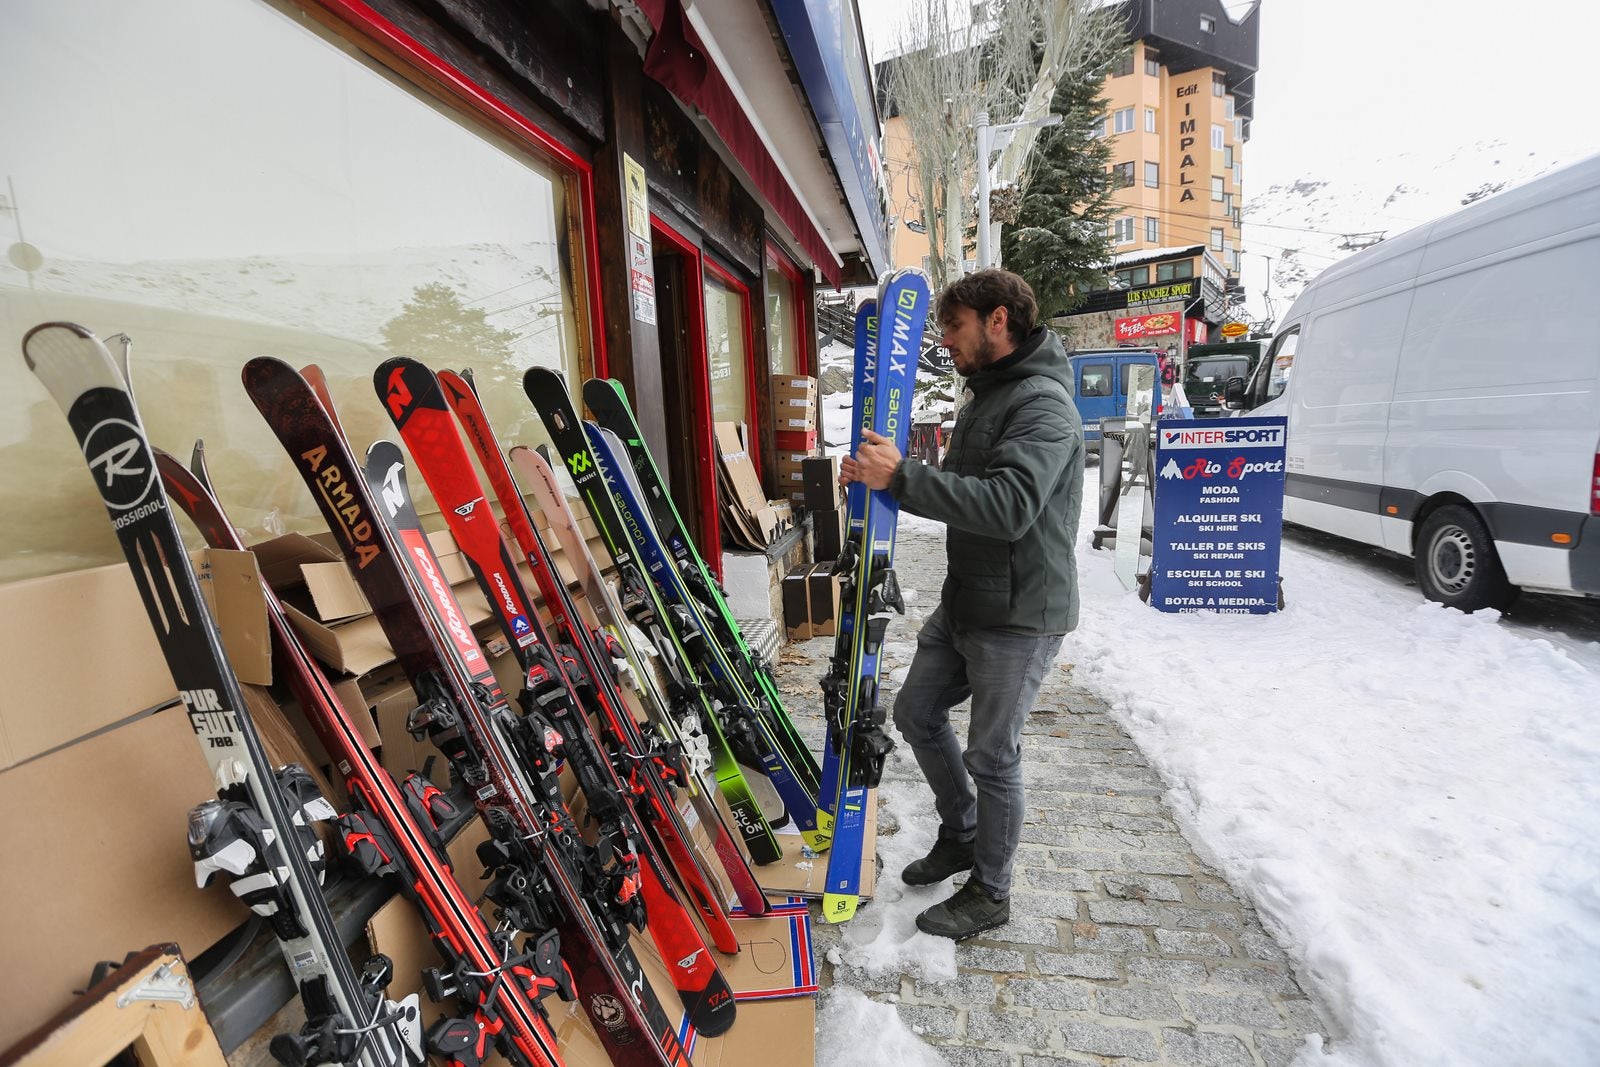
(854,1029)
(1411,797)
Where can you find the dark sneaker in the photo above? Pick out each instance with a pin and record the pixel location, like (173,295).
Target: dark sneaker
(967,914)
(948,857)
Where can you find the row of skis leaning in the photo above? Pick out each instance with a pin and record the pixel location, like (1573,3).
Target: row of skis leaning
(637,733)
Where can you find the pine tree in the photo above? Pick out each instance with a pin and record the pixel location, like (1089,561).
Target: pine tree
(437,328)
(1058,240)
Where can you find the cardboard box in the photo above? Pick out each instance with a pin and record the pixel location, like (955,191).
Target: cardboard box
(797,604)
(827,533)
(793,459)
(786,384)
(791,420)
(823,589)
(801,440)
(820,476)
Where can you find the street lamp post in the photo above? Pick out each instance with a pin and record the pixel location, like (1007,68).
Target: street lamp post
(986,134)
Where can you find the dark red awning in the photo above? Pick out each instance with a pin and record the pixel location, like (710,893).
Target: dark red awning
(676,59)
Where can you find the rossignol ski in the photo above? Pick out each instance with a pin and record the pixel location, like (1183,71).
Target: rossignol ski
(258,829)
(545,877)
(856,736)
(648,759)
(666,623)
(553,676)
(682,722)
(393,829)
(750,673)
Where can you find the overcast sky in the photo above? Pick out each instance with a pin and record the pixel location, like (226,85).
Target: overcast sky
(1344,83)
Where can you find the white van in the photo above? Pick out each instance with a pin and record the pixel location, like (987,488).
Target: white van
(1443,395)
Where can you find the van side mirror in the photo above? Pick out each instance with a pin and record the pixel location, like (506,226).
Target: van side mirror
(1233,393)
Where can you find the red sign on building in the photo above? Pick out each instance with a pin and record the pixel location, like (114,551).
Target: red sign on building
(1143,326)
(1197,331)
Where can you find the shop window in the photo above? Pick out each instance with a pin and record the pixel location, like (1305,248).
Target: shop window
(783,317)
(304,202)
(1174,272)
(727,334)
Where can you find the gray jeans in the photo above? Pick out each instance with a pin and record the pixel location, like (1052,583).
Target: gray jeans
(1002,673)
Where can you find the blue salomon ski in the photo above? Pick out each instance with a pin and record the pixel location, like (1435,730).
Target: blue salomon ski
(857,741)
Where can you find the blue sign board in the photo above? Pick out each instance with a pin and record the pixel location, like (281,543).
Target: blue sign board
(824,38)
(1219,515)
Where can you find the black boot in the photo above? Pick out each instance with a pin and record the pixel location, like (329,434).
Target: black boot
(948,857)
(969,913)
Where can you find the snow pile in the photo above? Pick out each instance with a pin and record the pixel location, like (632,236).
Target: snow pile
(853,1029)
(1408,794)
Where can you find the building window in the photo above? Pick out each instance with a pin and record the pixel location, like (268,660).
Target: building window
(1174,272)
(1216,239)
(726,332)
(1122,120)
(783,315)
(1238,175)
(1152,62)
(1122,229)
(1219,134)
(1227,203)
(1238,217)
(1227,107)
(1238,128)
(1122,65)
(1122,175)
(1152,175)
(1133,277)
(1208,24)
(1149,120)
(1216,188)
(1227,156)
(1219,85)
(323,267)
(1152,229)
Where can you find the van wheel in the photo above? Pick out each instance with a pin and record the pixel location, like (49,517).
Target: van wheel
(1457,564)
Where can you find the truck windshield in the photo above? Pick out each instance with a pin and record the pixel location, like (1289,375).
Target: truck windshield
(1213,371)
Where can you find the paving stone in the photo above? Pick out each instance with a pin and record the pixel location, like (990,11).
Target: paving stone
(1056,1061)
(1150,863)
(1027,931)
(978,958)
(1080,860)
(1008,1028)
(929,1020)
(1192,943)
(1186,918)
(964,1056)
(1234,1009)
(1065,881)
(1126,912)
(1140,888)
(1191,1048)
(1138,1002)
(1261,947)
(1109,1040)
(975,989)
(1054,994)
(1168,972)
(1076,964)
(1214,893)
(1088,937)
(1041,904)
(1266,978)
(1279,1051)
(1303,1017)
(857,978)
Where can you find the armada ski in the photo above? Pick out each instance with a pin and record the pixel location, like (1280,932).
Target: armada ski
(394,829)
(258,830)
(648,760)
(553,677)
(667,623)
(544,875)
(857,743)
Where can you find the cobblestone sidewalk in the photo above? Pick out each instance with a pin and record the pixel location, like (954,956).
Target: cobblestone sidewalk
(1124,946)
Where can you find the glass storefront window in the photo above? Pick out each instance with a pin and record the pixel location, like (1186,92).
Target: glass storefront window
(214,203)
(725,350)
(783,311)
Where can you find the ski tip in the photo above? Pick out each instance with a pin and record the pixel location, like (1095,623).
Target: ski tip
(54,340)
(839,907)
(713,1010)
(816,840)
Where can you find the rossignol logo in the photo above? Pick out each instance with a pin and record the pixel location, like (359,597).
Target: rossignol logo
(1225,437)
(399,395)
(335,490)
(446,601)
(122,467)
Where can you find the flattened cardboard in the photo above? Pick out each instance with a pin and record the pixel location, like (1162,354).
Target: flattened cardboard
(802,873)
(775,960)
(42,622)
(230,581)
(352,648)
(87,878)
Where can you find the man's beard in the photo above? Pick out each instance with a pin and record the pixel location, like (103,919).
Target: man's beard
(982,358)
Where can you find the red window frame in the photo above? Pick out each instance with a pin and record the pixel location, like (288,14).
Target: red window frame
(392,45)
(705,452)
(791,270)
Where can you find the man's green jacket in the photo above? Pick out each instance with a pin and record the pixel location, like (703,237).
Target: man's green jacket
(1009,490)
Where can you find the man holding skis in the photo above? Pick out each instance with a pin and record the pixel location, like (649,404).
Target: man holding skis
(1009,492)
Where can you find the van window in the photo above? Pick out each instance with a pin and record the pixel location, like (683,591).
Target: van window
(1281,363)
(1094,379)
(1127,372)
